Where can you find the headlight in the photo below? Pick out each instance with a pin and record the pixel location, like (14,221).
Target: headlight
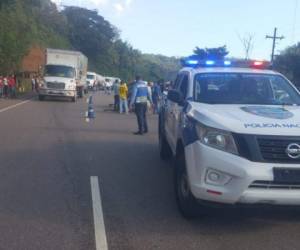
(216,138)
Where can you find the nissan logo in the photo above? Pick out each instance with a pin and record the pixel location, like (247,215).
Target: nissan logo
(293,151)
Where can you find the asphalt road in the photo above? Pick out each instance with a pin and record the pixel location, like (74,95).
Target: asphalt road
(48,152)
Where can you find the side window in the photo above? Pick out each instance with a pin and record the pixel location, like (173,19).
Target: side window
(198,90)
(177,82)
(279,91)
(183,88)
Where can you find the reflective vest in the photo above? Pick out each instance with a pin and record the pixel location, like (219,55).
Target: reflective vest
(140,93)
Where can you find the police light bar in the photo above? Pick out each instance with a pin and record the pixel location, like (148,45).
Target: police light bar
(255,64)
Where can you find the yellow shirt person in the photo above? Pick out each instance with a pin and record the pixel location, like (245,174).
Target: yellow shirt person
(123,91)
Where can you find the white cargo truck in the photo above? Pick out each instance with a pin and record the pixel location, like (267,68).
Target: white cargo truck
(64,74)
(94,81)
(91,80)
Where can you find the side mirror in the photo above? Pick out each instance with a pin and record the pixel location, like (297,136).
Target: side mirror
(175,96)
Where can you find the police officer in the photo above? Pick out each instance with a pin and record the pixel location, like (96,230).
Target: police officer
(139,99)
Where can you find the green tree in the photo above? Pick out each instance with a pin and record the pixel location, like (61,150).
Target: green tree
(288,62)
(14,38)
(211,53)
(89,32)
(21,27)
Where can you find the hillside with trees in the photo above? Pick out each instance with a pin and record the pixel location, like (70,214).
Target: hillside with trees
(288,62)
(27,23)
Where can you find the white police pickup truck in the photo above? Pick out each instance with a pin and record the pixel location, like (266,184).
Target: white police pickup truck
(233,129)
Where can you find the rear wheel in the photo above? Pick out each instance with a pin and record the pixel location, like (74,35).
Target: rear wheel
(41,97)
(187,203)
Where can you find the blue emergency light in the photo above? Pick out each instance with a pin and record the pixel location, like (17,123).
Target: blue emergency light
(227,63)
(210,62)
(192,62)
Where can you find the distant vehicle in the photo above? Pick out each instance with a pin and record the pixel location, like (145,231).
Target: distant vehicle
(64,74)
(101,82)
(232,129)
(94,80)
(91,80)
(109,81)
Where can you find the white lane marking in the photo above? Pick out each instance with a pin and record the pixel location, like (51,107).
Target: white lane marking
(13,106)
(99,226)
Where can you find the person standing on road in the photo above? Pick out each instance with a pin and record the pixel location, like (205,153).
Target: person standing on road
(12,86)
(123,94)
(149,105)
(130,87)
(37,83)
(1,86)
(107,87)
(156,95)
(33,83)
(116,88)
(140,96)
(5,90)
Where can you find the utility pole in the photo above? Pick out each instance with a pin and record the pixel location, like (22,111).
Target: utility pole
(275,38)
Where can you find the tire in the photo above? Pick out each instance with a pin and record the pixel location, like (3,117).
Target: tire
(187,203)
(165,151)
(41,98)
(74,98)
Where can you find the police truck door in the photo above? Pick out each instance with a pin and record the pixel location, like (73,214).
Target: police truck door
(183,90)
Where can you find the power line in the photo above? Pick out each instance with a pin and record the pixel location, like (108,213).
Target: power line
(274,38)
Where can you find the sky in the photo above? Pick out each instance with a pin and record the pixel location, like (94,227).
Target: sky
(176,27)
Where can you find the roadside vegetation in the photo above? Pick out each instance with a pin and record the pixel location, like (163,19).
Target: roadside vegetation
(27,23)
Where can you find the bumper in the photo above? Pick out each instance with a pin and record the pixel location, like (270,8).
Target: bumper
(57,92)
(243,173)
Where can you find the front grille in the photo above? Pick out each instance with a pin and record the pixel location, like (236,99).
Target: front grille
(275,185)
(55,85)
(274,150)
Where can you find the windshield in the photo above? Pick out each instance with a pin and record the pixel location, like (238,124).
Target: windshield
(59,71)
(90,77)
(239,88)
